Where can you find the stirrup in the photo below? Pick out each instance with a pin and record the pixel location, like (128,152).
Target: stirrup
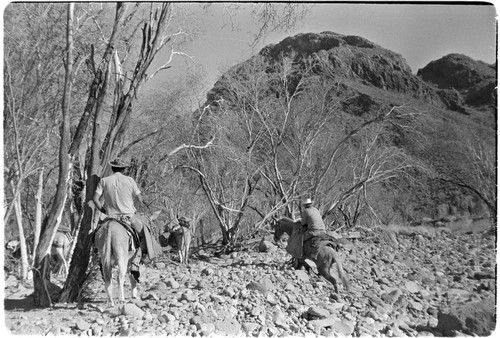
(136,275)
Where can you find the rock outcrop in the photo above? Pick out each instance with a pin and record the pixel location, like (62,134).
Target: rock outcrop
(355,58)
(462,80)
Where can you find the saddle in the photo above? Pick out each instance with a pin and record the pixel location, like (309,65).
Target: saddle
(313,244)
(134,235)
(310,247)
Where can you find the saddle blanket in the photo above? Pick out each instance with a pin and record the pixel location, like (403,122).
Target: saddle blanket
(295,245)
(313,244)
(309,248)
(135,241)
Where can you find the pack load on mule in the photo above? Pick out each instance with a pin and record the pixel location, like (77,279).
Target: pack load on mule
(179,238)
(308,239)
(124,237)
(60,249)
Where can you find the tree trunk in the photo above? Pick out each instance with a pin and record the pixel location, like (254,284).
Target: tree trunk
(98,89)
(38,216)
(99,82)
(22,238)
(49,228)
(81,254)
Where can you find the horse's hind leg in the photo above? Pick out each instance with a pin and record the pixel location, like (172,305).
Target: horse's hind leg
(324,263)
(122,272)
(180,255)
(107,286)
(66,268)
(65,263)
(185,249)
(133,285)
(124,266)
(325,272)
(60,255)
(182,258)
(106,276)
(186,253)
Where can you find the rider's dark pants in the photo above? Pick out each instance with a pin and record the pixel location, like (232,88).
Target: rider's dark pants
(142,250)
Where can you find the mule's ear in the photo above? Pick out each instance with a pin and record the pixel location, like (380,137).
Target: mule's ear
(272,223)
(154,215)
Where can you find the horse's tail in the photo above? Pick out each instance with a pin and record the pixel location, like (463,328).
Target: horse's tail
(342,274)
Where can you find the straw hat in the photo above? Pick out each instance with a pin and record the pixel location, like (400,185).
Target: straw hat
(307,201)
(118,163)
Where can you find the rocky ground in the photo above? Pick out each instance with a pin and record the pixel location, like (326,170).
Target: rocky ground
(407,282)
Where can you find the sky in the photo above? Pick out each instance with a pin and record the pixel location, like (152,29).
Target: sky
(419,32)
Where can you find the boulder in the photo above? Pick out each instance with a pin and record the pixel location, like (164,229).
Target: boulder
(301,275)
(318,312)
(258,286)
(266,246)
(484,275)
(249,327)
(451,293)
(412,287)
(472,318)
(132,310)
(228,326)
(392,296)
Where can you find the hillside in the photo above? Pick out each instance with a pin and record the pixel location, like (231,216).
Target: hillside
(452,101)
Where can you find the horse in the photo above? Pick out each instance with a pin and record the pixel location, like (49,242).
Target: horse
(326,255)
(112,241)
(180,239)
(60,249)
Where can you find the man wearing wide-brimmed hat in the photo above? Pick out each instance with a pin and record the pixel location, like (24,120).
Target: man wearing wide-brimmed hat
(119,193)
(311,220)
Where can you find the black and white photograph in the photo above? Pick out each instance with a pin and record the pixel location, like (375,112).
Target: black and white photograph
(250,169)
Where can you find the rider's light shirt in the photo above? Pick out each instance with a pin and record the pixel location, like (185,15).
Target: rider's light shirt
(312,218)
(119,192)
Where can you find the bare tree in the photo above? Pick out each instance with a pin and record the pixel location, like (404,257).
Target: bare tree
(267,17)
(226,171)
(30,84)
(49,228)
(370,162)
(127,87)
(476,171)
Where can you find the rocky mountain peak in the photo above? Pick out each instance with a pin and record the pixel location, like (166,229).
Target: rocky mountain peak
(455,82)
(457,71)
(309,43)
(354,58)
(459,75)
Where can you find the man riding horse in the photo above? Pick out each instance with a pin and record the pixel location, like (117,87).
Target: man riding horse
(119,192)
(305,240)
(311,220)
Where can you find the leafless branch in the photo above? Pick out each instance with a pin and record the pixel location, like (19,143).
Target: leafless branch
(186,146)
